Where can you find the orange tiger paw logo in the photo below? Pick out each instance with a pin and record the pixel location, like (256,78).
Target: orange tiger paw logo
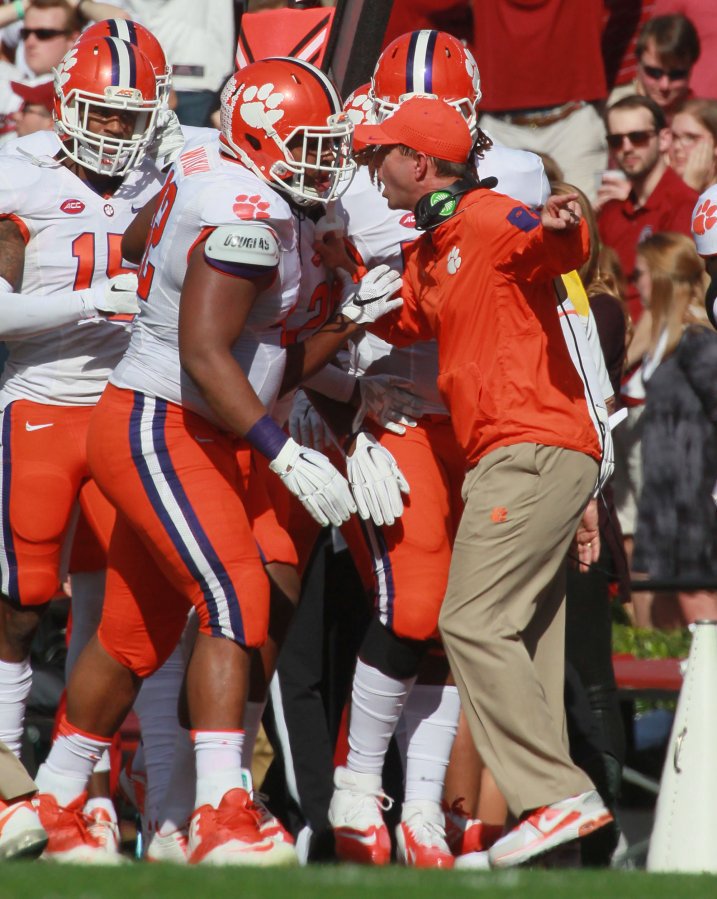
(705,217)
(246,207)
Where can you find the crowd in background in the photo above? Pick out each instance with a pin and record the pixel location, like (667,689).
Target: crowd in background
(619,99)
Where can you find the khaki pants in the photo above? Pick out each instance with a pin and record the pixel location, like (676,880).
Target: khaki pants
(503,617)
(14,779)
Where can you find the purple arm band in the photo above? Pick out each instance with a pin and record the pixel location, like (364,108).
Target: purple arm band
(266,436)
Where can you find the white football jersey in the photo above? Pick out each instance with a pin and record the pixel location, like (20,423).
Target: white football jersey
(204,190)
(379,235)
(73,240)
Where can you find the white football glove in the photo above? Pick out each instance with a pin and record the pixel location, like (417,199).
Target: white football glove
(387,400)
(118,296)
(372,296)
(306,426)
(168,139)
(320,488)
(376,481)
(607,465)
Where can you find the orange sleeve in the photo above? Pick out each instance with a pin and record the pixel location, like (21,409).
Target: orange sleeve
(405,325)
(521,247)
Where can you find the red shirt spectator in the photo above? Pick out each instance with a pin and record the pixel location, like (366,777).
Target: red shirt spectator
(624,224)
(535,54)
(453,16)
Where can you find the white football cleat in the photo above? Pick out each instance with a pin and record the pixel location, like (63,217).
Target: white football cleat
(421,836)
(355,815)
(104,829)
(68,829)
(229,835)
(269,825)
(21,832)
(172,847)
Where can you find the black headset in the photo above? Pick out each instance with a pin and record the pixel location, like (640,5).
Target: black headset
(438,206)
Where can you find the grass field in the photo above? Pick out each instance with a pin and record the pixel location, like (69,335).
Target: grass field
(40,881)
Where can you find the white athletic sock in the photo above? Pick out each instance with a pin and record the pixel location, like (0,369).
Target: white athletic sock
(68,767)
(15,684)
(431,716)
(104,765)
(376,704)
(88,593)
(156,708)
(218,758)
(178,801)
(252,722)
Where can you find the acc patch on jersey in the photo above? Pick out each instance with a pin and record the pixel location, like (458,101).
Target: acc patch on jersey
(523,218)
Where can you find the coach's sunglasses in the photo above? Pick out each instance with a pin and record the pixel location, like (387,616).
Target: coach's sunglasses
(636,138)
(673,74)
(43,34)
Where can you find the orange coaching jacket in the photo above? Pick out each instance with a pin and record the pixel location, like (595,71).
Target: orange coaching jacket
(482,285)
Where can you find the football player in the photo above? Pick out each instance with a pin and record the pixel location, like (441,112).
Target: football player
(169,439)
(66,200)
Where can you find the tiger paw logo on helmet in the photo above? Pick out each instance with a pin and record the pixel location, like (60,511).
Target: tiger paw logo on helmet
(454,261)
(259,105)
(705,217)
(62,72)
(246,207)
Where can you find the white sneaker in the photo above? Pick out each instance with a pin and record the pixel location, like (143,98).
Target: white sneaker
(172,847)
(355,815)
(548,827)
(104,829)
(421,836)
(473,861)
(229,835)
(21,832)
(269,825)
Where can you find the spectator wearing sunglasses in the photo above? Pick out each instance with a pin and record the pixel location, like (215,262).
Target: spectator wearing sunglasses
(667,49)
(701,13)
(48,31)
(658,200)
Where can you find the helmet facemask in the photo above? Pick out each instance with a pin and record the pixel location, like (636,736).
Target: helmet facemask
(106,155)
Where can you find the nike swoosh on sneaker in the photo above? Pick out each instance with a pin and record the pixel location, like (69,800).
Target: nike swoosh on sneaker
(363,838)
(29,427)
(552,819)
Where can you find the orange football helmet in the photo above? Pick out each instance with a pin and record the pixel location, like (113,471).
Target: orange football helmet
(359,107)
(96,75)
(282,118)
(144,40)
(430,63)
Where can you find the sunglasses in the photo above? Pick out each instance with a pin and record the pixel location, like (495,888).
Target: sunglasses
(636,138)
(672,74)
(42,34)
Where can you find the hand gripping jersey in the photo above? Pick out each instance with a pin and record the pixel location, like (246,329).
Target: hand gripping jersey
(379,235)
(73,240)
(203,191)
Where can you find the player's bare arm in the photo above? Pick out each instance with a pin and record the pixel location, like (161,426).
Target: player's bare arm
(212,314)
(12,253)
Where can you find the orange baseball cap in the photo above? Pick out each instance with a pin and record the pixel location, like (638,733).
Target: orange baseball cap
(426,124)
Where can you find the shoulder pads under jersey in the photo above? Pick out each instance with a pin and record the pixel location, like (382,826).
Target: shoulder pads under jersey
(245,249)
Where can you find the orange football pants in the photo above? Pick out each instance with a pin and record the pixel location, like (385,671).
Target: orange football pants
(183,536)
(410,559)
(44,474)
